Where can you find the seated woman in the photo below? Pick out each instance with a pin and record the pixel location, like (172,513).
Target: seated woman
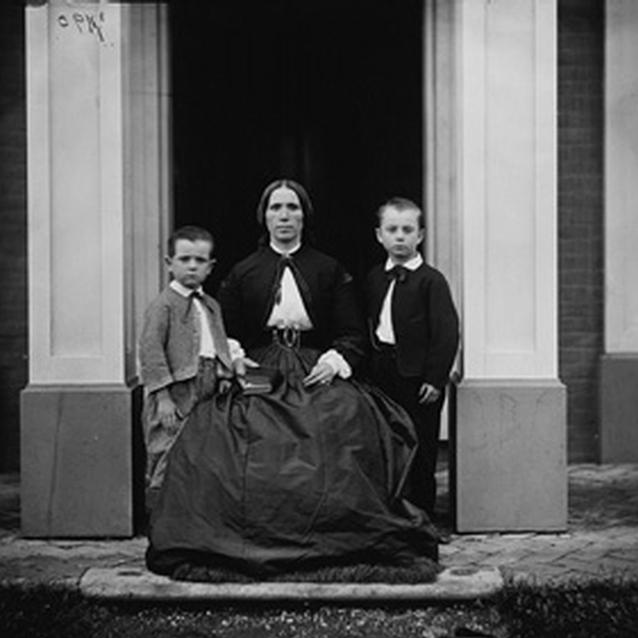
(311,472)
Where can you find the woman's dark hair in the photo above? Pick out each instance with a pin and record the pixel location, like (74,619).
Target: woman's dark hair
(304,200)
(191,233)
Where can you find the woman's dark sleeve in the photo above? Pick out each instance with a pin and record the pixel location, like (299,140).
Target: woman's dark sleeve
(230,299)
(348,328)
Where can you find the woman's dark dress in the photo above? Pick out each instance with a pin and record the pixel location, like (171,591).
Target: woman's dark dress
(298,477)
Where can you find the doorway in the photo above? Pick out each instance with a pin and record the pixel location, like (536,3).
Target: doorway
(327,92)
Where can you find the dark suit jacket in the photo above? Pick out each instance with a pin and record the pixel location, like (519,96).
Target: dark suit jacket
(425,322)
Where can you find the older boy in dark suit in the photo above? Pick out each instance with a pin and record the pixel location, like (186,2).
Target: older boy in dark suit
(415,334)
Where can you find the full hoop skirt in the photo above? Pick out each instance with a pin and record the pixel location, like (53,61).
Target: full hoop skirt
(293,479)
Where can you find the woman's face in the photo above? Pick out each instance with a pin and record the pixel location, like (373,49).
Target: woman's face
(284,217)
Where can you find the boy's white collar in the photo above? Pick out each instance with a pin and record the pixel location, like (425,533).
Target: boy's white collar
(411,264)
(180,289)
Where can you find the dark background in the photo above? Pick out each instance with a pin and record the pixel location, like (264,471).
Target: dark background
(325,92)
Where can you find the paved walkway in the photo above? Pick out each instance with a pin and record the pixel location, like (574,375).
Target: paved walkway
(601,541)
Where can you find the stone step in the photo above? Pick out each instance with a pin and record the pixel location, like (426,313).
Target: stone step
(125,583)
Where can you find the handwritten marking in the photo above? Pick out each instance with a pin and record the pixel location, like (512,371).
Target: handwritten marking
(85,23)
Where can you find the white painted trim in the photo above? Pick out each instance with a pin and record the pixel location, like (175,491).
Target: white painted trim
(123,189)
(621,183)
(546,193)
(38,182)
(506,338)
(111,145)
(472,178)
(443,234)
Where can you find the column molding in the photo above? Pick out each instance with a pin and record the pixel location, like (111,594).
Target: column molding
(621,186)
(98,164)
(147,162)
(619,364)
(507,167)
(75,213)
(443,247)
(509,434)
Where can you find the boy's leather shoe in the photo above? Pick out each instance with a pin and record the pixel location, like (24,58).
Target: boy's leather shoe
(444,537)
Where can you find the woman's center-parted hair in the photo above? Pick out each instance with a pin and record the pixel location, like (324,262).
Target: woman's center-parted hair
(298,189)
(401,204)
(190,233)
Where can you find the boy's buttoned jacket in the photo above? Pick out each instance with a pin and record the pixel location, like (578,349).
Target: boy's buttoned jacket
(170,340)
(424,319)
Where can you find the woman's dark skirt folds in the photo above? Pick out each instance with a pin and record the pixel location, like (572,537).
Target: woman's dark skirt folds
(290,480)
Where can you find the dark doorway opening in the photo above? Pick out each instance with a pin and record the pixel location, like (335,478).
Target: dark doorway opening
(328,92)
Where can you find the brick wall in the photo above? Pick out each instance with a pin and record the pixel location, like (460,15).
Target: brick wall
(13,267)
(580,205)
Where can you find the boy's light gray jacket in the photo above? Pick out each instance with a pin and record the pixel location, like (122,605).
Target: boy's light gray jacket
(169,344)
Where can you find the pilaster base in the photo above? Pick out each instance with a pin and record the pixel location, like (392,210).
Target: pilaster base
(619,408)
(509,472)
(77,472)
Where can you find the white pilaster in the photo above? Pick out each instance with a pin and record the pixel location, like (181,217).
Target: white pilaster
(510,434)
(440,196)
(97,196)
(619,374)
(508,168)
(75,219)
(146,162)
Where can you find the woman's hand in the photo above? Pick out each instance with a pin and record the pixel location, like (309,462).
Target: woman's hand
(240,365)
(322,374)
(428,393)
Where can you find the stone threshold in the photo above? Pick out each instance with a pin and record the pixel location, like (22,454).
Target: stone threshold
(125,583)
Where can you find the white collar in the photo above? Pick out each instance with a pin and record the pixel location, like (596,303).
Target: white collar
(180,289)
(286,252)
(411,264)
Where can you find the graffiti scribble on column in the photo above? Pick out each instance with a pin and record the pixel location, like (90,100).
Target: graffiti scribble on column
(84,23)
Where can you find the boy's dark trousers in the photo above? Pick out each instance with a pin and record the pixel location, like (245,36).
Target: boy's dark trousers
(427,420)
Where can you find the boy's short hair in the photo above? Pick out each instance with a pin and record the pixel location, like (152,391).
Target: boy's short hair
(401,204)
(191,233)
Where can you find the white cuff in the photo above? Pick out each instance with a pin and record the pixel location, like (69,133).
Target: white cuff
(235,350)
(336,361)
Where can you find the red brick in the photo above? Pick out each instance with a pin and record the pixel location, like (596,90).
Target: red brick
(13,268)
(580,223)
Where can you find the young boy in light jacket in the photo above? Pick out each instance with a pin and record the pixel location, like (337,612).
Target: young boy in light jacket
(184,353)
